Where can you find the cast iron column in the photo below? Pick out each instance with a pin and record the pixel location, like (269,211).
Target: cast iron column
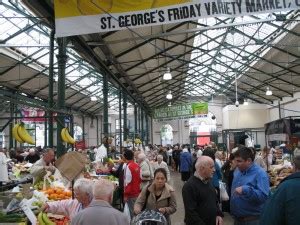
(61,61)
(72,128)
(46,128)
(97,131)
(83,128)
(120,119)
(135,121)
(125,116)
(50,90)
(142,125)
(147,129)
(139,121)
(105,108)
(11,124)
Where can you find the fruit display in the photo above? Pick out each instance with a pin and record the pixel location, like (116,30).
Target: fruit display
(112,178)
(58,219)
(277,175)
(57,194)
(103,171)
(137,141)
(66,137)
(12,218)
(39,184)
(21,135)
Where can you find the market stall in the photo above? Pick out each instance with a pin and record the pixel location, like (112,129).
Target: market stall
(21,200)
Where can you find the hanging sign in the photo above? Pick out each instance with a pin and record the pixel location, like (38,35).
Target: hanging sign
(34,115)
(183,111)
(76,17)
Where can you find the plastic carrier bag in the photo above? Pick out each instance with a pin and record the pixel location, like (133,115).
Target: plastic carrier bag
(223,193)
(127,212)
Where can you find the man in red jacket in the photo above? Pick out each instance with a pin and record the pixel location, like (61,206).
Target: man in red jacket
(132,180)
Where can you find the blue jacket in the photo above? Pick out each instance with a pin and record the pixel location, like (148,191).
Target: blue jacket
(185,162)
(255,186)
(217,176)
(283,206)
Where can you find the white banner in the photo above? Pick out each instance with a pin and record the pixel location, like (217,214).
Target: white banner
(76,17)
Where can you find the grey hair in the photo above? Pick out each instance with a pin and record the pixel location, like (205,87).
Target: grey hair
(103,189)
(202,161)
(160,157)
(142,156)
(84,186)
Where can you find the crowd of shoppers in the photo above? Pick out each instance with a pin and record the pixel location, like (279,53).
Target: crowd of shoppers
(144,178)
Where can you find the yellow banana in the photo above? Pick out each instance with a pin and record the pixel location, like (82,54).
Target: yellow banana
(40,218)
(47,220)
(24,135)
(63,135)
(15,133)
(69,137)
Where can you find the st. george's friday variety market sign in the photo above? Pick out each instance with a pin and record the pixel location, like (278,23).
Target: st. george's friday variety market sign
(76,17)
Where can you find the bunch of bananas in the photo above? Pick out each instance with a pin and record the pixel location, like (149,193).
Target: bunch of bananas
(21,135)
(137,141)
(66,137)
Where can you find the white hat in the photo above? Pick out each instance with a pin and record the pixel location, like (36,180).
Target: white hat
(31,150)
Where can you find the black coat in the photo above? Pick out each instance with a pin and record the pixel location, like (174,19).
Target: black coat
(200,202)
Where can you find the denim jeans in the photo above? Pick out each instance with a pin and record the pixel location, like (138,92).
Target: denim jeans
(130,203)
(253,222)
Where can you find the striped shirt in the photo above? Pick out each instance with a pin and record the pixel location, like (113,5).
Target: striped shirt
(68,208)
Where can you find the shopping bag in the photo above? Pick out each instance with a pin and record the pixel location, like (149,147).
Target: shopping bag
(223,193)
(127,212)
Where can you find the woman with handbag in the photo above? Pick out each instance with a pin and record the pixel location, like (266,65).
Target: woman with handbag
(157,196)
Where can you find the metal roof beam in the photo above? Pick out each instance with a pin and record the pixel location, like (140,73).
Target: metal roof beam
(147,41)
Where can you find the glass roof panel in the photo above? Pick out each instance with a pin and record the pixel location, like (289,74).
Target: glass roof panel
(35,40)
(226,48)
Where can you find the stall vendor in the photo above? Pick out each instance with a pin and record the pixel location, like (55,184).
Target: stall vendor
(40,167)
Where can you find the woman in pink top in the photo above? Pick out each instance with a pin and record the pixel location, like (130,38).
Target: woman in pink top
(83,191)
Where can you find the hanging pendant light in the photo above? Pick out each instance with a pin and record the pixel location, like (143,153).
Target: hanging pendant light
(269,92)
(167,75)
(169,95)
(246,102)
(170,104)
(93,98)
(236,97)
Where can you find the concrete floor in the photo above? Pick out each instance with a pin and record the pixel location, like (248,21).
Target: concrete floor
(178,217)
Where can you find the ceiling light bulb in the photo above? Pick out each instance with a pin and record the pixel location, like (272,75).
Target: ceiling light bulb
(167,75)
(268,92)
(93,98)
(169,95)
(246,102)
(237,103)
(170,104)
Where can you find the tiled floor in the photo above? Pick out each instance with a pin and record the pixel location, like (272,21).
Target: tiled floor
(178,217)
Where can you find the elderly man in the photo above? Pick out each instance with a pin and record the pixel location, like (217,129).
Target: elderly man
(250,189)
(161,164)
(145,170)
(83,190)
(40,167)
(199,196)
(283,206)
(100,211)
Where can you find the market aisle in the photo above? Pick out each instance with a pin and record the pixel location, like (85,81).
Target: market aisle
(178,217)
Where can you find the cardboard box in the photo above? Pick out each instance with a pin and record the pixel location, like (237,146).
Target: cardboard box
(71,164)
